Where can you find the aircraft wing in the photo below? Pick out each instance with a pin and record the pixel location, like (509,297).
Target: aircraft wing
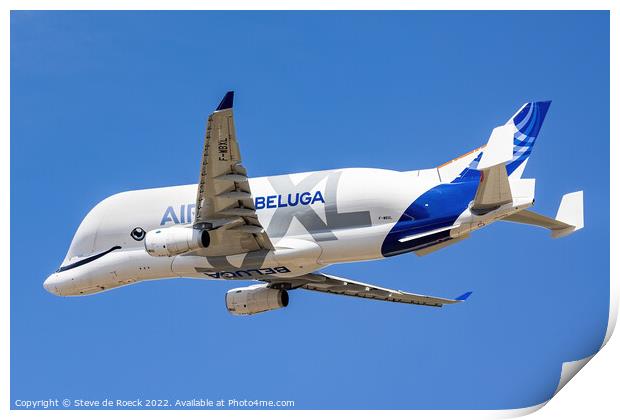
(224,203)
(320,282)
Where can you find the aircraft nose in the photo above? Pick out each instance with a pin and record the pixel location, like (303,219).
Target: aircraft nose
(50,284)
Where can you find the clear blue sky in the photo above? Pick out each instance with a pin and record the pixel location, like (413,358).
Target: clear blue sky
(105,102)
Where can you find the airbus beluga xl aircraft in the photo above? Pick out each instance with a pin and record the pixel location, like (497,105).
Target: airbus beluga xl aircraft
(280,230)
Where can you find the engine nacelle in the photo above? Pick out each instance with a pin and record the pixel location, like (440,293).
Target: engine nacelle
(166,242)
(255,299)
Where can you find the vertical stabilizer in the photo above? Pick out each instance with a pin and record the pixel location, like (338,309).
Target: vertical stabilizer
(522,128)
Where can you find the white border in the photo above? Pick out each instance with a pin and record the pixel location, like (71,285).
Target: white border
(593,395)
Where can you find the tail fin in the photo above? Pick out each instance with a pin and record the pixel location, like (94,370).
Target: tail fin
(525,126)
(526,122)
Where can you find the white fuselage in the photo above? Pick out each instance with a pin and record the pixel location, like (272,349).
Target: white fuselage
(312,219)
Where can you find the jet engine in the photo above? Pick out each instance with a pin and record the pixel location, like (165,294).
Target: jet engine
(166,242)
(255,299)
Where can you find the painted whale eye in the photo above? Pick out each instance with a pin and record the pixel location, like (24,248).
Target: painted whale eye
(138,234)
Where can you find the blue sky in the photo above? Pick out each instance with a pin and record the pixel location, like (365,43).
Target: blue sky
(103,102)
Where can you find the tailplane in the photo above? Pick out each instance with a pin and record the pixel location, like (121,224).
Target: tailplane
(568,219)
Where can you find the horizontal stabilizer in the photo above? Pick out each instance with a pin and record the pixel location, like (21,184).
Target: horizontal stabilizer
(571,211)
(569,217)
